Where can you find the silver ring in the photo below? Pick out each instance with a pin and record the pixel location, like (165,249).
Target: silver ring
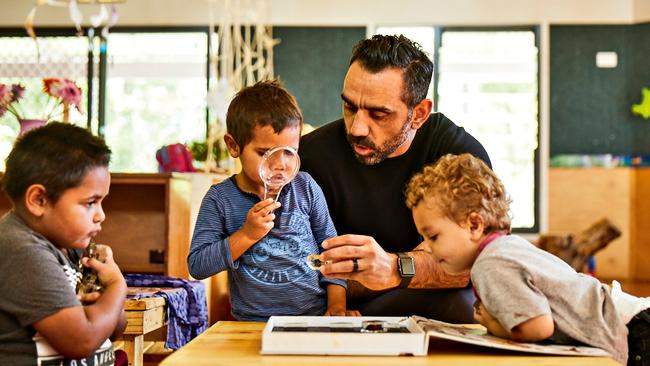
(355,264)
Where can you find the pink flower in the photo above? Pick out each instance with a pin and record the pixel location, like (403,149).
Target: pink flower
(9,95)
(5,99)
(17,92)
(5,96)
(62,93)
(67,90)
(70,93)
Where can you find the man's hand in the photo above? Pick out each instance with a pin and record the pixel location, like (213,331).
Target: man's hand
(376,269)
(259,220)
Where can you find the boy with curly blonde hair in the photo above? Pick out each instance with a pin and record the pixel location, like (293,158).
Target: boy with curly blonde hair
(461,209)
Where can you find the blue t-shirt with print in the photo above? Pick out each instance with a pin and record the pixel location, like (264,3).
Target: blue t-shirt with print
(272,276)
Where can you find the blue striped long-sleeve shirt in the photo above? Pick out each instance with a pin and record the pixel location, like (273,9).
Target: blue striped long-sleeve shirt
(272,276)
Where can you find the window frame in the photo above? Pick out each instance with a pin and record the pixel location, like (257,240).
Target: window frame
(93,34)
(104,50)
(61,32)
(439,30)
(103,62)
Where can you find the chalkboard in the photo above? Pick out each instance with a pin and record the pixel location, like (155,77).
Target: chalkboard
(591,106)
(312,62)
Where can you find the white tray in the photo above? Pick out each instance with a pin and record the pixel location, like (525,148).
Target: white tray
(342,343)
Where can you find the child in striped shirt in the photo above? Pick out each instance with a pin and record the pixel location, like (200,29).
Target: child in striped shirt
(261,243)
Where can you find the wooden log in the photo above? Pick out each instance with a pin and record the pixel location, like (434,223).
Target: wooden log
(575,249)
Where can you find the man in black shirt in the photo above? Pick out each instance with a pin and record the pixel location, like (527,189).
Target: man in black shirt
(363,162)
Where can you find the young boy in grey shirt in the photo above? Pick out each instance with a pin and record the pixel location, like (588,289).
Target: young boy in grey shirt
(56,178)
(526,294)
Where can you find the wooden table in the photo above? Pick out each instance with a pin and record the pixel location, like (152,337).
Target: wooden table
(239,343)
(142,317)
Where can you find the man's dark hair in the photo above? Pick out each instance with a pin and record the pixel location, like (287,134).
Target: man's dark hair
(57,155)
(265,103)
(385,51)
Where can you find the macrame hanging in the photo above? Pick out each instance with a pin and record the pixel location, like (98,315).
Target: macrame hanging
(241,54)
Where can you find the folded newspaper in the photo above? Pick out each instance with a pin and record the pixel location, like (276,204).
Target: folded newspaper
(388,336)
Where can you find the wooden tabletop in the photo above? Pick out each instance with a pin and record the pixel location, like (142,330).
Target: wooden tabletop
(239,343)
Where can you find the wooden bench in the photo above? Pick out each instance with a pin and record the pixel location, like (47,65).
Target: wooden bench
(143,316)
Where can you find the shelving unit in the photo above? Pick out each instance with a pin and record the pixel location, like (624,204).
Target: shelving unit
(148,222)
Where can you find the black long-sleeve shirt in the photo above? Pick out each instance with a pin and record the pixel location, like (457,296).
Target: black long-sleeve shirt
(369,199)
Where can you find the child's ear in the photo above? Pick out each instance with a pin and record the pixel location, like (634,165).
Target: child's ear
(232,146)
(476,225)
(36,199)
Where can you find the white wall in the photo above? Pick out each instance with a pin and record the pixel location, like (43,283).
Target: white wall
(641,11)
(458,12)
(357,12)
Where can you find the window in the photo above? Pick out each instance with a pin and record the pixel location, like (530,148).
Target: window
(487,82)
(60,56)
(155,95)
(488,85)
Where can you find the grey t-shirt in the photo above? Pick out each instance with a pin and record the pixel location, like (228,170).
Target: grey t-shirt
(517,281)
(37,281)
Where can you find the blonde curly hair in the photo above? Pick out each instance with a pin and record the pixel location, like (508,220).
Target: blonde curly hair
(462,184)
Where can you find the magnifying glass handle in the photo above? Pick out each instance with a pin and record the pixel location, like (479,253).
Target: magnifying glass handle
(278,194)
(272,192)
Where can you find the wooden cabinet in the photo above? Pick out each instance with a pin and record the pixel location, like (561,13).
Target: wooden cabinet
(147,222)
(580,196)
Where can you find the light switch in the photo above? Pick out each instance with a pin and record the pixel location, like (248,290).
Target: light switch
(606,60)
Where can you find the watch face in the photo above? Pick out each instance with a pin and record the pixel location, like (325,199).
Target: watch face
(407,267)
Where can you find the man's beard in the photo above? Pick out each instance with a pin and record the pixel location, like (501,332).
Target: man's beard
(380,154)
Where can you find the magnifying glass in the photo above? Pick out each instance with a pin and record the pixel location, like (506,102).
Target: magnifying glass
(278,167)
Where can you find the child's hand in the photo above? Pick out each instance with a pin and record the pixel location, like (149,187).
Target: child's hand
(107,271)
(89,298)
(259,220)
(478,311)
(341,311)
(486,319)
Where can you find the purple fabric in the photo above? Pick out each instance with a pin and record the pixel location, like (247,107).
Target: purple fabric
(187,311)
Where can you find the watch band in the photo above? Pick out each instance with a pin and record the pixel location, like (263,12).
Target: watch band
(407,276)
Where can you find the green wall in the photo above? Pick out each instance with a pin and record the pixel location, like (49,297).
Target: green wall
(590,106)
(312,62)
